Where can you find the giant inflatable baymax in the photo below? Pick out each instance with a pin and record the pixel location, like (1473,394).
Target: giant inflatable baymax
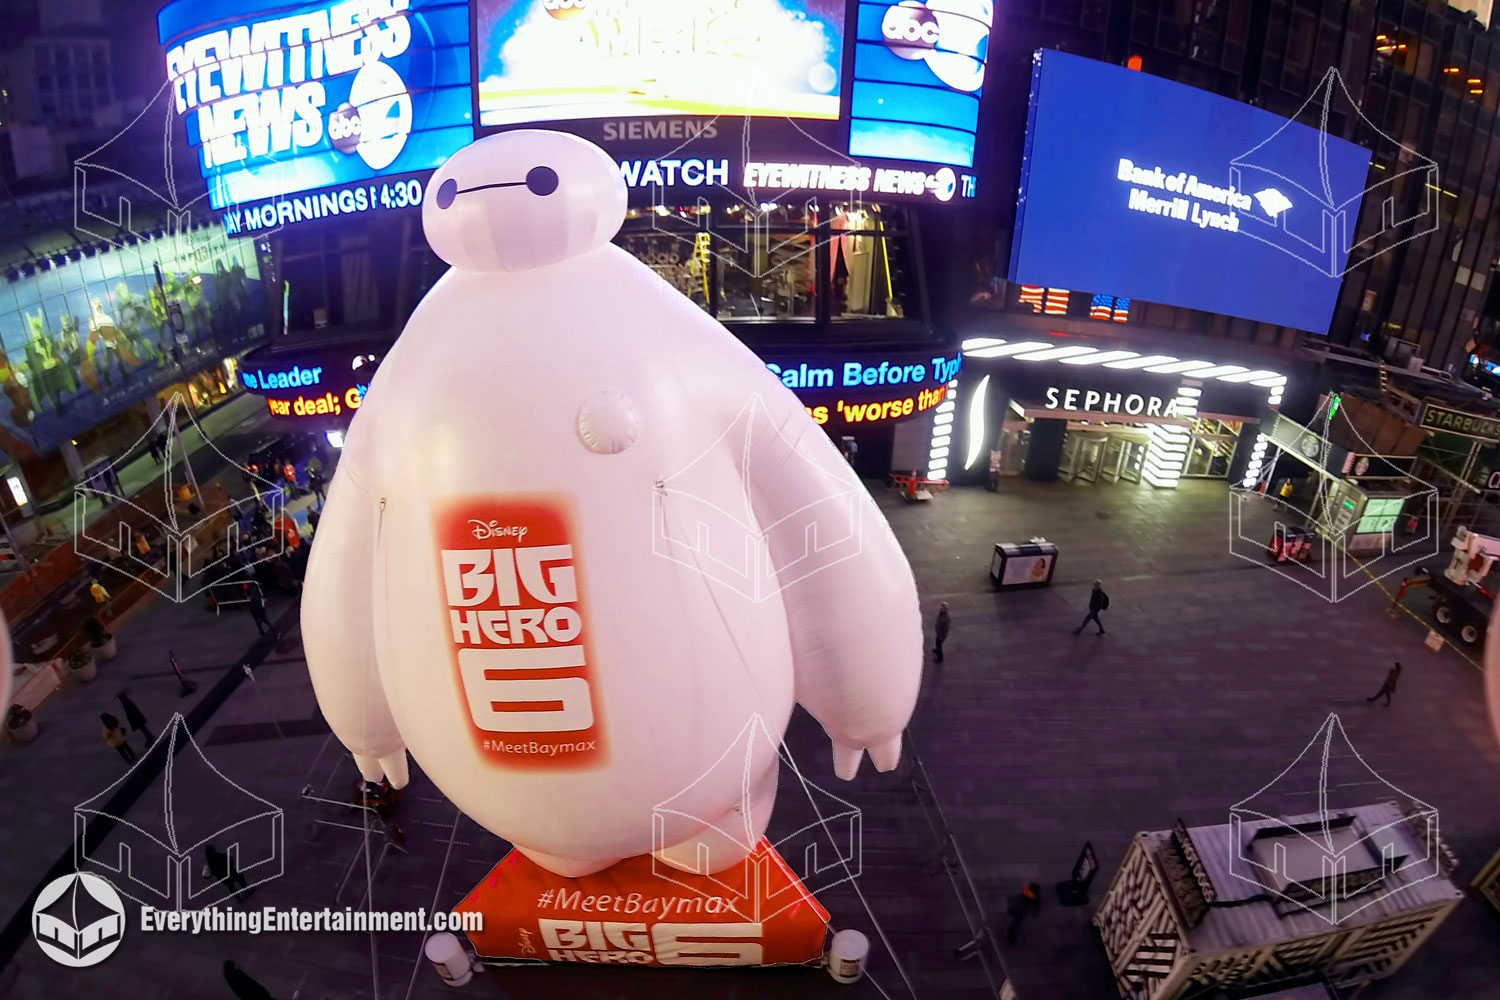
(579,539)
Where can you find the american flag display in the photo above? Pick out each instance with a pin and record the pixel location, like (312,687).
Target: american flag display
(1031,295)
(1103,307)
(1122,310)
(1057,302)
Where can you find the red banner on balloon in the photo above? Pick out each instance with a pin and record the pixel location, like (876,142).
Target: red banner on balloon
(639,912)
(517,622)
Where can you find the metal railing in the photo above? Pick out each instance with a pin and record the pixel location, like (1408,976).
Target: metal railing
(982,935)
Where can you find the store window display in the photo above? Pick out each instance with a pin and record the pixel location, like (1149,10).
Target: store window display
(781,262)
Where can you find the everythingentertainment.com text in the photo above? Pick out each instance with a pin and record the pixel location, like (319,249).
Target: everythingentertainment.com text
(271,920)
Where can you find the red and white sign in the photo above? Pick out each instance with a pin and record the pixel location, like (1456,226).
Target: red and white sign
(517,624)
(629,914)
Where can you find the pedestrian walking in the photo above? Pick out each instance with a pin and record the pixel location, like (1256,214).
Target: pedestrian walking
(1098,601)
(161,445)
(315,483)
(155,450)
(100,596)
(1389,687)
(242,986)
(258,612)
(114,737)
(1028,903)
(940,631)
(134,717)
(216,865)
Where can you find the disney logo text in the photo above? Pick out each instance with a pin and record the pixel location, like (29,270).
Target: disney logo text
(494,529)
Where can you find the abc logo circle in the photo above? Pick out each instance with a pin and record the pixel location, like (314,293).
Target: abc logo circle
(910,29)
(344,127)
(78,920)
(564,9)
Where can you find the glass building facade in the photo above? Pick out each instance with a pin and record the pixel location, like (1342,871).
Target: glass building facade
(87,334)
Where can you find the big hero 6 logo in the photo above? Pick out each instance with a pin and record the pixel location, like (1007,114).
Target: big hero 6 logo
(951,36)
(259,89)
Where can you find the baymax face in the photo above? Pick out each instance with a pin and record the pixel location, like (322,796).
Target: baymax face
(522,199)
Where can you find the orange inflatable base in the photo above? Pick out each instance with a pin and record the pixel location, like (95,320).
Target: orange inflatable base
(643,912)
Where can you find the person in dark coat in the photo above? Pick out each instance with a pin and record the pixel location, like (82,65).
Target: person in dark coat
(941,630)
(115,738)
(1028,903)
(242,986)
(1389,687)
(1098,601)
(216,864)
(135,718)
(258,612)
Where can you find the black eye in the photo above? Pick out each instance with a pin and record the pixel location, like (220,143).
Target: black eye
(541,180)
(447,191)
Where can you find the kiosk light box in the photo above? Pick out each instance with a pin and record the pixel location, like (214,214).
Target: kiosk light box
(1138,186)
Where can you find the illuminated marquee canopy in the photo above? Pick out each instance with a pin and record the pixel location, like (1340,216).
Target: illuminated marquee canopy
(330,96)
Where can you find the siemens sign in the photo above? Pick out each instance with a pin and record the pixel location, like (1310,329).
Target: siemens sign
(281,98)
(1137,186)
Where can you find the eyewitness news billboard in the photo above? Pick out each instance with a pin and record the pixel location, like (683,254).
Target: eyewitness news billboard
(305,111)
(1138,186)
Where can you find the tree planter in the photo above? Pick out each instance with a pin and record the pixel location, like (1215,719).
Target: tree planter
(105,650)
(21,724)
(82,666)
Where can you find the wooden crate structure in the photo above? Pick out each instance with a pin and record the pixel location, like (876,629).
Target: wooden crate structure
(1185,916)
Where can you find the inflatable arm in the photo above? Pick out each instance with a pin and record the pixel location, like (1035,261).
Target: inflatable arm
(851,600)
(338,624)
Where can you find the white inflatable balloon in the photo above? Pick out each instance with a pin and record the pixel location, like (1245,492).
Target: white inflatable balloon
(1492,667)
(7,664)
(580,537)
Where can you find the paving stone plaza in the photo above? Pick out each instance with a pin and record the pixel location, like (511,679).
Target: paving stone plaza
(1214,675)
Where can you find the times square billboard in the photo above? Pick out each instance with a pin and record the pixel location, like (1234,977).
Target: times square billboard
(309,111)
(873,99)
(1142,187)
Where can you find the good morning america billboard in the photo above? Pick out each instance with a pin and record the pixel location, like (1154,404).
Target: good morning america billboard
(352,100)
(1137,186)
(876,97)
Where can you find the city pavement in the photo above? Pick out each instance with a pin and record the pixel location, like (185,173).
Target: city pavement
(1214,675)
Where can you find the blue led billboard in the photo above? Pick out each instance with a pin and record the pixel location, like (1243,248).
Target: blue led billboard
(918,72)
(1138,186)
(554,60)
(280,99)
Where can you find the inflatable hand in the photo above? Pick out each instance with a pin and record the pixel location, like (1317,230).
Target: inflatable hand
(338,626)
(850,598)
(1492,667)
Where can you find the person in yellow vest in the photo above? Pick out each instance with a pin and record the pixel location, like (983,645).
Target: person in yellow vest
(101,597)
(142,544)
